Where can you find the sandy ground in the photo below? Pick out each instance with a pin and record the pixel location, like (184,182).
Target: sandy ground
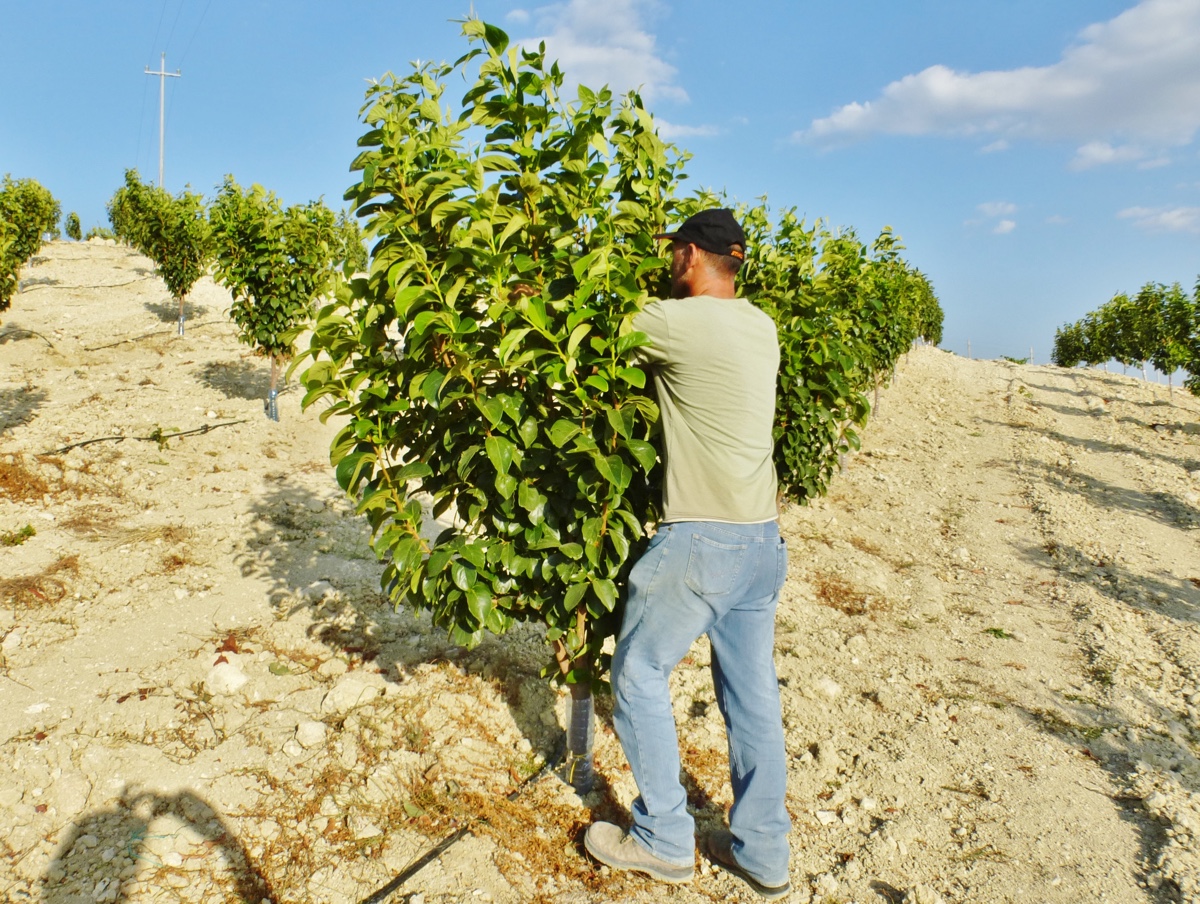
(988,647)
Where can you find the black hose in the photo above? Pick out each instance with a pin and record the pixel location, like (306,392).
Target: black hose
(446,843)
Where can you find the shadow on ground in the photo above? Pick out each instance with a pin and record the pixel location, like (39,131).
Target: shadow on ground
(296,542)
(168,311)
(240,379)
(19,405)
(145,831)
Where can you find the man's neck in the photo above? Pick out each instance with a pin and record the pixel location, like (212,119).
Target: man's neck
(713,287)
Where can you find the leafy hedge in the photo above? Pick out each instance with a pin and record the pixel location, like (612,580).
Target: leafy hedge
(1160,325)
(484,364)
(28,214)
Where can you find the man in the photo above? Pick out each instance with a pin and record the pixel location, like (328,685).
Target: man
(715,566)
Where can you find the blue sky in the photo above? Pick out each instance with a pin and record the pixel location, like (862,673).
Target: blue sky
(1035,157)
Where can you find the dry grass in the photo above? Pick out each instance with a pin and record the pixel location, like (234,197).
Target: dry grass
(37,590)
(19,482)
(838,593)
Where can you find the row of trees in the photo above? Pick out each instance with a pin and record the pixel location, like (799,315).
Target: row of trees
(1160,325)
(274,260)
(486,359)
(28,216)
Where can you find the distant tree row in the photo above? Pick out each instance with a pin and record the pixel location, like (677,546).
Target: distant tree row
(275,261)
(1160,325)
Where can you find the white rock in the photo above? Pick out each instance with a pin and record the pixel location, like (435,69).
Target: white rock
(868,803)
(332,668)
(348,693)
(225,678)
(318,590)
(826,818)
(292,748)
(210,413)
(828,686)
(361,828)
(173,858)
(36,708)
(310,733)
(826,884)
(314,505)
(11,641)
(922,894)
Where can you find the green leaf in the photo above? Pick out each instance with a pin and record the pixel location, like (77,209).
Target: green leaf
(561,432)
(644,452)
(500,451)
(606,592)
(462,575)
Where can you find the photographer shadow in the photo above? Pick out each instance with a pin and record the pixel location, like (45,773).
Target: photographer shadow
(151,839)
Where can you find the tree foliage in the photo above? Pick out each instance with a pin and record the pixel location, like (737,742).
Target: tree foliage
(172,231)
(72,228)
(485,362)
(28,215)
(275,261)
(1160,325)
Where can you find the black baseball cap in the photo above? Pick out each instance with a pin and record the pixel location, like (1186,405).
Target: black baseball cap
(715,230)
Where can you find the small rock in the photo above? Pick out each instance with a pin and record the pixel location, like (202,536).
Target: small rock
(347,694)
(11,641)
(332,668)
(922,894)
(827,818)
(826,884)
(314,505)
(310,733)
(210,413)
(318,590)
(35,708)
(292,748)
(868,803)
(828,687)
(225,678)
(361,828)
(173,858)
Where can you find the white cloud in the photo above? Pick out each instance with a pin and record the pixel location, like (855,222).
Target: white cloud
(1134,78)
(995,147)
(1004,227)
(1099,153)
(1057,219)
(997,208)
(517,16)
(1163,219)
(674,132)
(607,43)
(1154,163)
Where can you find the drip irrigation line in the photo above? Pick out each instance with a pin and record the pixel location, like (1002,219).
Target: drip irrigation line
(27,289)
(156,437)
(18,333)
(96,348)
(462,831)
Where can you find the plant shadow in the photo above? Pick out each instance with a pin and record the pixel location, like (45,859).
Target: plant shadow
(245,379)
(19,405)
(168,311)
(317,561)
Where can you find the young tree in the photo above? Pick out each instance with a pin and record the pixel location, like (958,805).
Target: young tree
(485,358)
(171,231)
(72,228)
(28,215)
(1176,319)
(276,261)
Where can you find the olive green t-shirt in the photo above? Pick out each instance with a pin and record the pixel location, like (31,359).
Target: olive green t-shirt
(714,362)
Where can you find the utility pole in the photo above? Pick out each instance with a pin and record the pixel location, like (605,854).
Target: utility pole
(163,75)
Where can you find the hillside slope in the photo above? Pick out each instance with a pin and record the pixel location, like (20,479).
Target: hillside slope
(988,646)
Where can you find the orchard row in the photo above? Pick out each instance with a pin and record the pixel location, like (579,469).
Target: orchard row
(1160,325)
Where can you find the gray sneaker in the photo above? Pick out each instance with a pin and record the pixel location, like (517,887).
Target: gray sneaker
(617,848)
(720,852)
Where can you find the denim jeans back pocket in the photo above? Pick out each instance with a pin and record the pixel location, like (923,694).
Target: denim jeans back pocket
(713,567)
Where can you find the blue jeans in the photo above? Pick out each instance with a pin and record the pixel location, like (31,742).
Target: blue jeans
(723,579)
